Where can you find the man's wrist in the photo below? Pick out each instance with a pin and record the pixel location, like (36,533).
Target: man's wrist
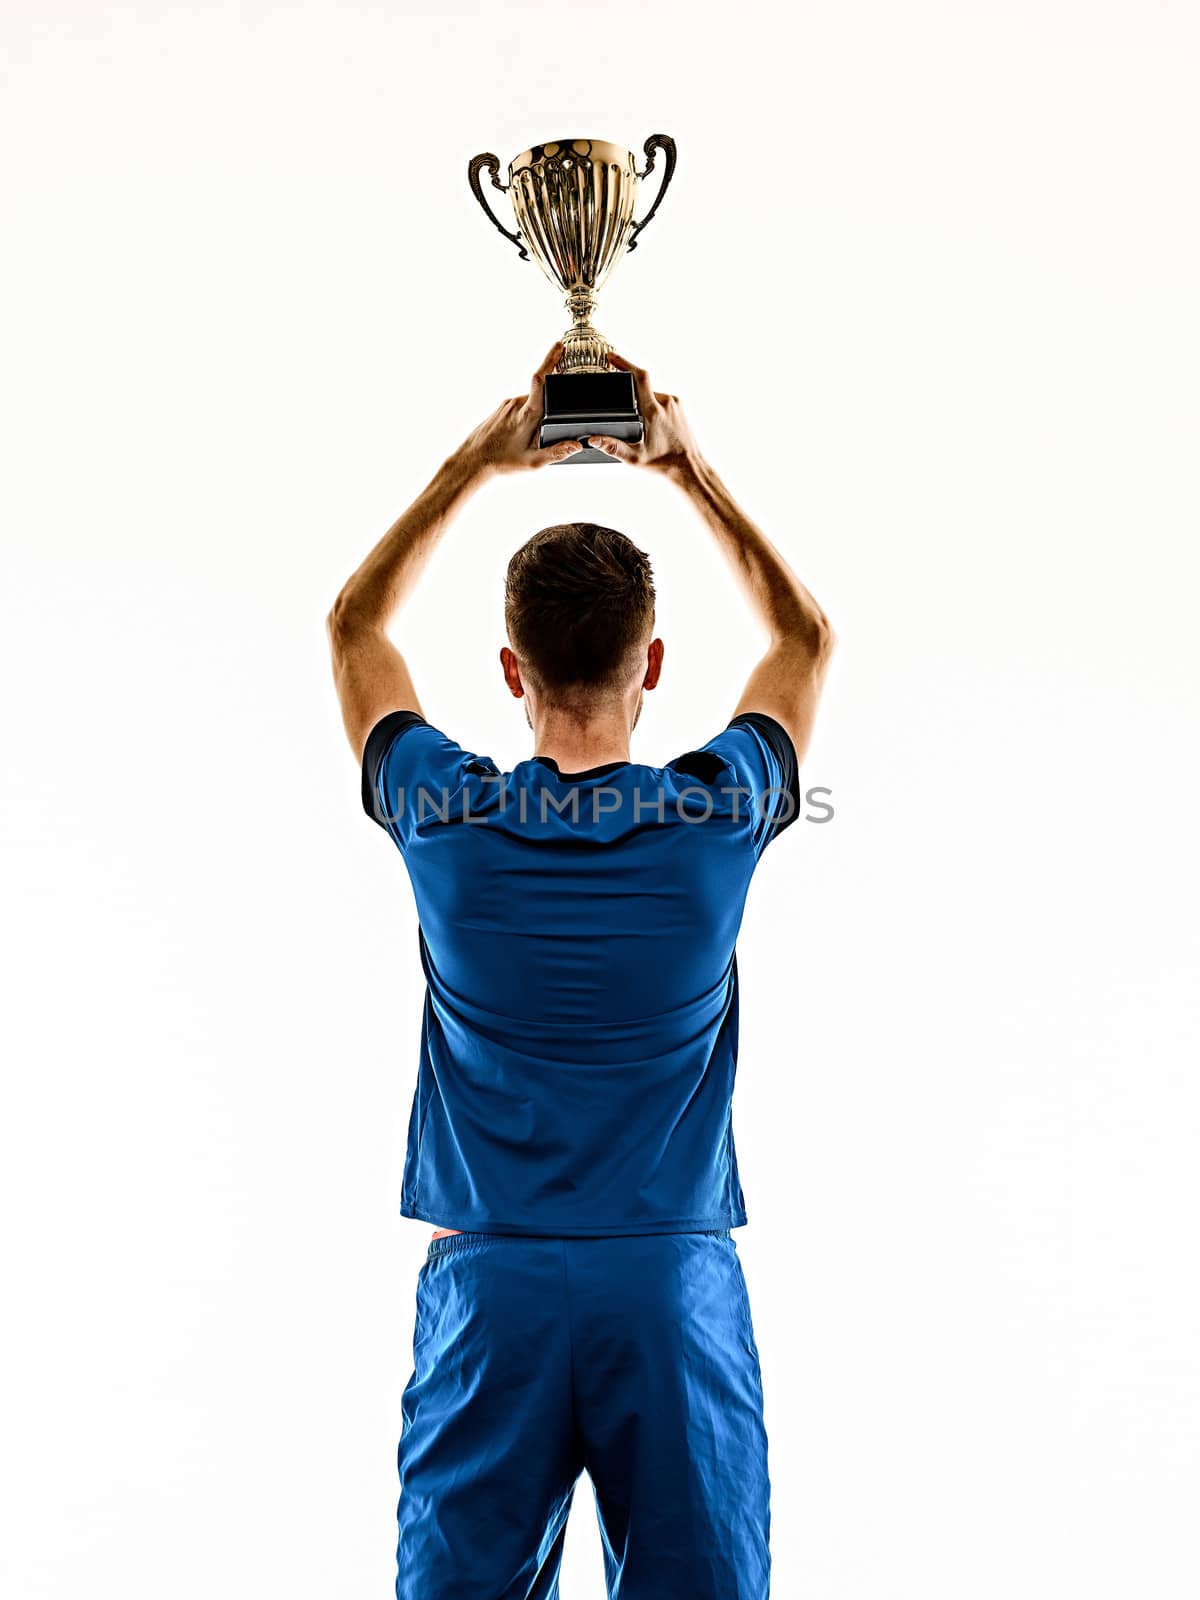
(686,470)
(464,470)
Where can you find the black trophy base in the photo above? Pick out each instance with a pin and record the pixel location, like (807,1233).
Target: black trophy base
(579,403)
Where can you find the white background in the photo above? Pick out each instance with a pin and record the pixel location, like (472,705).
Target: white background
(926,282)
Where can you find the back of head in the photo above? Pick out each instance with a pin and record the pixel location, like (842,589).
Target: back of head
(579,607)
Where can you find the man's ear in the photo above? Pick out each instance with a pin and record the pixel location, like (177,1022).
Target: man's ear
(512,671)
(654,661)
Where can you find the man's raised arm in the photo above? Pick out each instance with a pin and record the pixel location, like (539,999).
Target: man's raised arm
(371,675)
(786,684)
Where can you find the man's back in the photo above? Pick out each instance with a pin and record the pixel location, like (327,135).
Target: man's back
(577,934)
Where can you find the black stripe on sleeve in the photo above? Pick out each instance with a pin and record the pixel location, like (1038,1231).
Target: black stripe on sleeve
(379,742)
(780,741)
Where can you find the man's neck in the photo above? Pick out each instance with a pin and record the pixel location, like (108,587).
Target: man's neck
(576,746)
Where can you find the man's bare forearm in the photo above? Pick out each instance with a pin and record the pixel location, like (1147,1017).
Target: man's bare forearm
(785,607)
(373,594)
(506,441)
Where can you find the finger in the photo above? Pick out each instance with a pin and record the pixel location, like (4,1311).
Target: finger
(537,385)
(549,362)
(612,447)
(558,452)
(641,377)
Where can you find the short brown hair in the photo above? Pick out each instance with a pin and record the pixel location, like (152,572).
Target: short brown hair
(578,599)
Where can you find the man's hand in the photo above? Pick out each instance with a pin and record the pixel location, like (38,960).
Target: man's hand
(667,440)
(507,440)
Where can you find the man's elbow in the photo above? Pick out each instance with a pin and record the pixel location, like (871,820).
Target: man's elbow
(813,639)
(344,624)
(335,630)
(824,640)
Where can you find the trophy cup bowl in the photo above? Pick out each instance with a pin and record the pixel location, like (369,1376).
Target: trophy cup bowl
(573,201)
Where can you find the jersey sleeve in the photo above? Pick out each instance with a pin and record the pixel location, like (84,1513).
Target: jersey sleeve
(753,763)
(412,774)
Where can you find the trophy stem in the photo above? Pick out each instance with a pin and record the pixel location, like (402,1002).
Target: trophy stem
(586,350)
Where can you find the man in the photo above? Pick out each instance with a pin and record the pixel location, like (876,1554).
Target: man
(582,1304)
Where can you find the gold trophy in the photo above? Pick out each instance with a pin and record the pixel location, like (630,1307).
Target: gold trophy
(573,201)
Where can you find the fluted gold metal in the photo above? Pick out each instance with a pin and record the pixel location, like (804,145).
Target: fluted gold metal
(573,200)
(574,203)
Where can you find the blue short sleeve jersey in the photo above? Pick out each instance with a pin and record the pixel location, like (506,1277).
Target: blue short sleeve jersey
(577,933)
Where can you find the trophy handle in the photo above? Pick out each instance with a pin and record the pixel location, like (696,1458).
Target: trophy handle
(492,163)
(663,142)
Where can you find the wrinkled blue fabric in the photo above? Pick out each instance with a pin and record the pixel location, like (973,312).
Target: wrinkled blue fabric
(577,934)
(536,1359)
